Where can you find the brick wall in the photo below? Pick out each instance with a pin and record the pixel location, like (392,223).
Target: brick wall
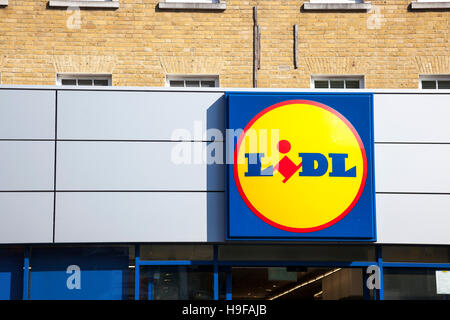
(139,44)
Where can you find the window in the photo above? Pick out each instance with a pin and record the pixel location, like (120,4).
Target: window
(192,81)
(430,4)
(193,4)
(84,80)
(114,4)
(338,82)
(337,5)
(435,82)
(3,2)
(336,1)
(195,1)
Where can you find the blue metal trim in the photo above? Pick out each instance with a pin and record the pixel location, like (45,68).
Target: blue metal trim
(151,287)
(416,265)
(137,267)
(380,266)
(340,264)
(372,152)
(175,262)
(229,284)
(26,273)
(216,274)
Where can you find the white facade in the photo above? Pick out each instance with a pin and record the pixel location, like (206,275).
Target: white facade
(105,154)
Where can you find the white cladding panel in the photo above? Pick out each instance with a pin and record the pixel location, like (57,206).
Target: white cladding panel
(412,117)
(27,114)
(407,168)
(26,217)
(105,115)
(26,165)
(140,216)
(413,218)
(138,166)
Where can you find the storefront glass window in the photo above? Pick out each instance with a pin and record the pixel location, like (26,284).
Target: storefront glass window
(297,253)
(177,252)
(411,284)
(11,273)
(298,283)
(176,283)
(422,254)
(86,273)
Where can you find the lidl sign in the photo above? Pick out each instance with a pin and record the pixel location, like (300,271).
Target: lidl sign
(300,166)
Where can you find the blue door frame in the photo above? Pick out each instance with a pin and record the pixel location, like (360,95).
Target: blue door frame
(227,265)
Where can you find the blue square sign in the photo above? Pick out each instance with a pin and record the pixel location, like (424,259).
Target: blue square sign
(300,166)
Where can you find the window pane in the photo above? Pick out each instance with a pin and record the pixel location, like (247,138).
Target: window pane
(337,84)
(321,84)
(102,82)
(407,284)
(208,83)
(11,273)
(444,84)
(84,82)
(192,83)
(430,254)
(297,283)
(177,83)
(297,253)
(177,283)
(86,273)
(352,84)
(69,82)
(176,252)
(429,84)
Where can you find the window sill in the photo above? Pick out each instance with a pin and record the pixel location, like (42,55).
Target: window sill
(3,2)
(337,6)
(430,5)
(84,4)
(221,5)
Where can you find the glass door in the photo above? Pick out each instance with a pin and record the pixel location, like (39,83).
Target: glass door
(299,283)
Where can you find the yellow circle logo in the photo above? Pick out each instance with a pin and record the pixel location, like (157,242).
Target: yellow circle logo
(300,166)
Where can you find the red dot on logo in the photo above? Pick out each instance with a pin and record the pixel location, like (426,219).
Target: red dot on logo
(284,146)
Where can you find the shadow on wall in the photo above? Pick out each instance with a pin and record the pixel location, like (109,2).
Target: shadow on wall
(215,197)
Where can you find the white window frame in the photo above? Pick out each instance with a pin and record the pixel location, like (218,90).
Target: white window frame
(85,3)
(194,1)
(192,4)
(87,76)
(336,1)
(193,77)
(430,4)
(360,78)
(356,5)
(433,77)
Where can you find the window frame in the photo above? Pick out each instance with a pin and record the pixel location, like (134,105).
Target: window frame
(360,78)
(433,77)
(219,5)
(346,5)
(113,4)
(430,4)
(87,76)
(193,77)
